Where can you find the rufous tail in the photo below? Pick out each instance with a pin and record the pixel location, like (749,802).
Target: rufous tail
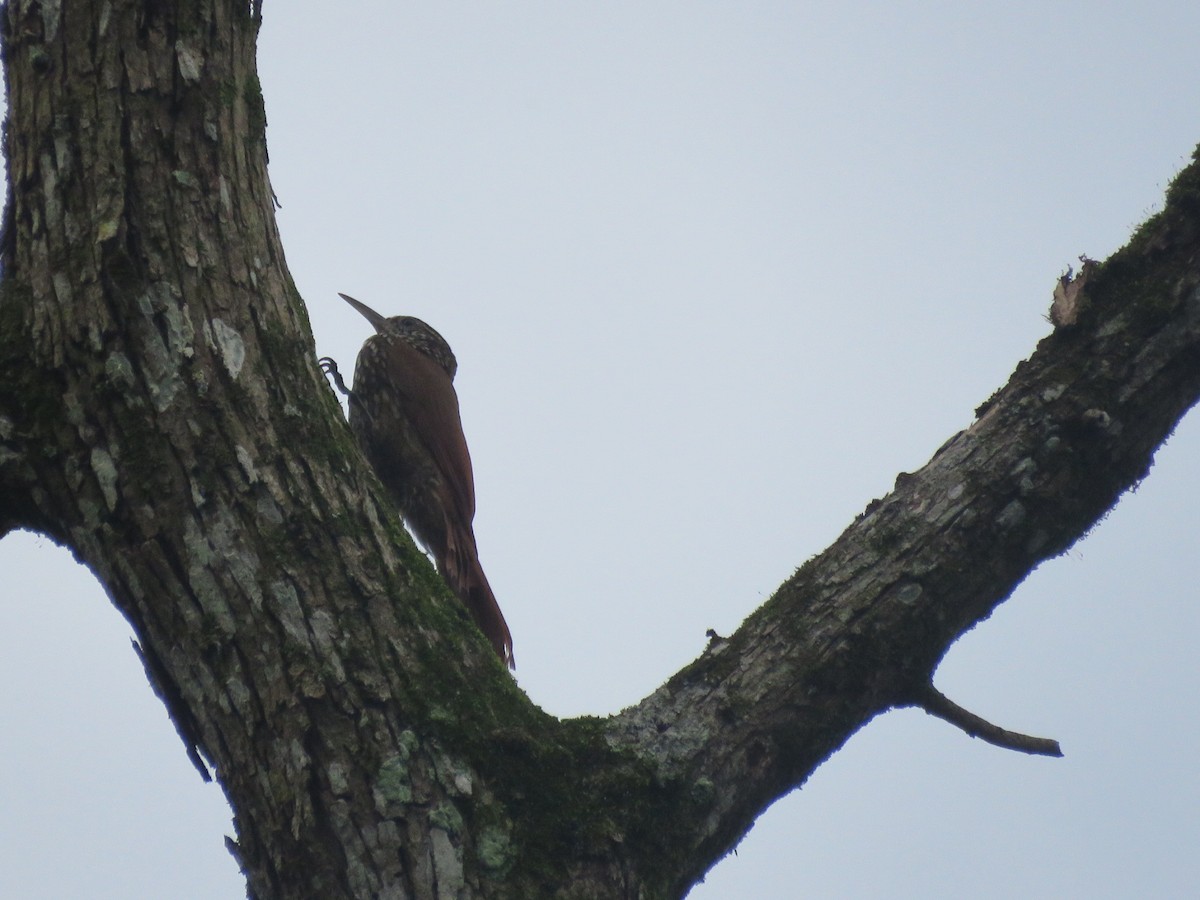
(464,574)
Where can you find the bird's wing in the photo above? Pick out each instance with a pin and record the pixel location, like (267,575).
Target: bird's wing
(428,399)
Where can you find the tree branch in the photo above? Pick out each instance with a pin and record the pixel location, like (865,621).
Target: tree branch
(938,704)
(171,425)
(860,628)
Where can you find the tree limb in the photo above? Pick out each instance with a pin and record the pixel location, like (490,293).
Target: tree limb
(164,416)
(938,704)
(860,628)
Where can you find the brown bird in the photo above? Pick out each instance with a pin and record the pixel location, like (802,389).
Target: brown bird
(404,415)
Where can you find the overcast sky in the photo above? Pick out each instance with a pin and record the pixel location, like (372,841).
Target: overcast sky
(714,274)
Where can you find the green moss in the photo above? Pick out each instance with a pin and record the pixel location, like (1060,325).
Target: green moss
(393,784)
(573,796)
(256,109)
(186,179)
(299,307)
(227,93)
(280,344)
(494,849)
(1124,283)
(447,817)
(1184,190)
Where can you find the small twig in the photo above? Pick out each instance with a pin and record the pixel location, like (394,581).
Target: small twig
(938,704)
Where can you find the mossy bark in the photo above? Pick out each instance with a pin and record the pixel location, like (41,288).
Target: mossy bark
(162,415)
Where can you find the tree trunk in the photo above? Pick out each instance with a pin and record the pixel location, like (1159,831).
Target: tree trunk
(163,416)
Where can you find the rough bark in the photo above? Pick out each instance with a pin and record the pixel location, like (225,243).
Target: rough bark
(162,415)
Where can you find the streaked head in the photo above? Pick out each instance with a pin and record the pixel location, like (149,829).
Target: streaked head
(413,331)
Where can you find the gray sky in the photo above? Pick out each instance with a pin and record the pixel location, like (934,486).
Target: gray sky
(714,274)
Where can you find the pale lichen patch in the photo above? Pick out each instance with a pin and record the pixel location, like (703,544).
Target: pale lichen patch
(226,341)
(287,609)
(119,369)
(247,464)
(190,62)
(105,471)
(494,849)
(447,864)
(166,340)
(393,789)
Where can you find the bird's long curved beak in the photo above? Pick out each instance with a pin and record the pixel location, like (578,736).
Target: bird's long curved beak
(371,316)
